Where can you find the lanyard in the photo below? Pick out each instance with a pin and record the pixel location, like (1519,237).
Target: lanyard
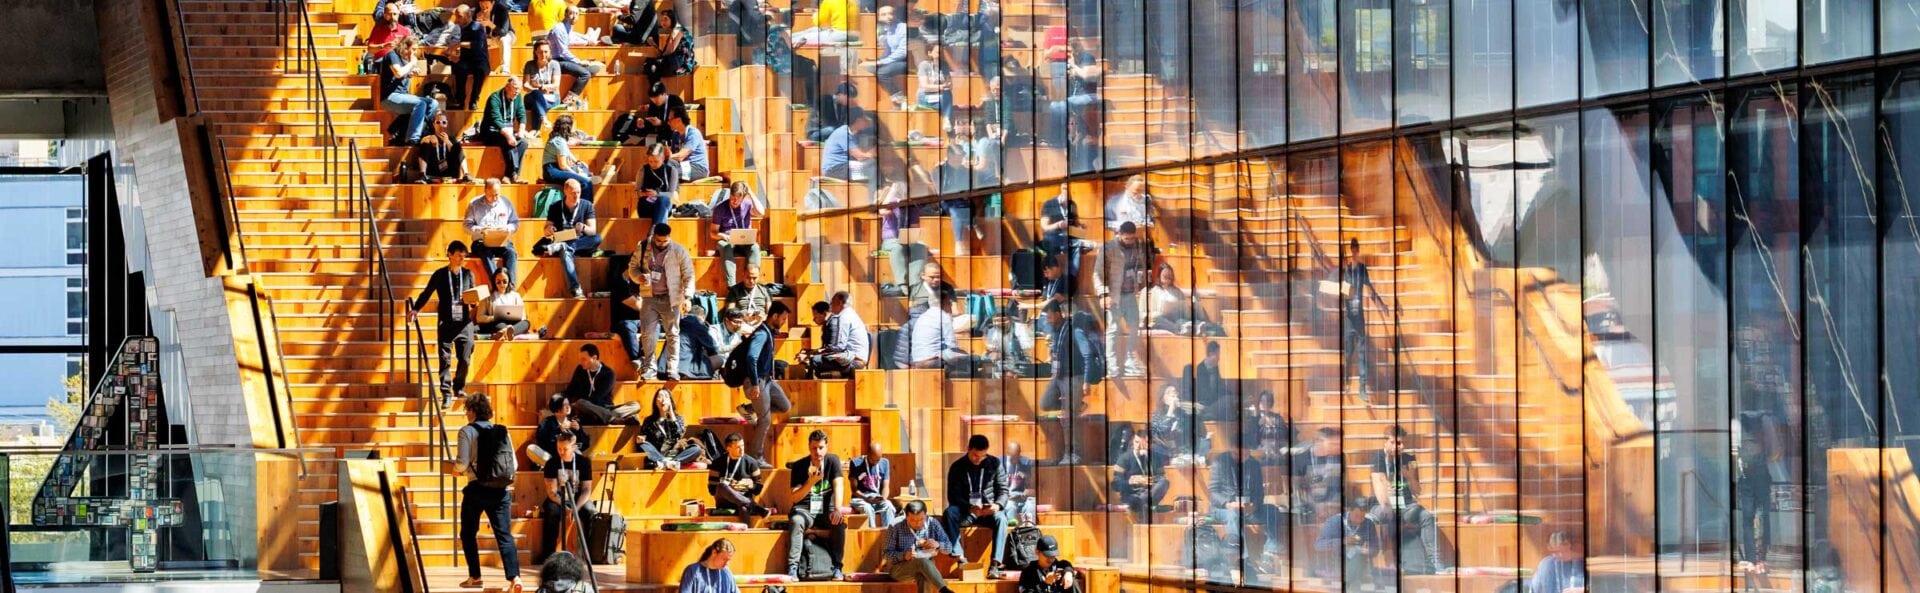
(456,282)
(977,481)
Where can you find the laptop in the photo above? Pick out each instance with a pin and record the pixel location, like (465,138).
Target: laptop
(510,313)
(745,236)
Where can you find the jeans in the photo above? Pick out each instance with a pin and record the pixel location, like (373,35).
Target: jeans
(892,77)
(731,253)
(566,251)
(498,506)
(836,543)
(468,79)
(820,36)
(942,101)
(1024,509)
(1267,516)
(457,346)
(1417,524)
(513,155)
(538,103)
(694,170)
(734,500)
(416,108)
(1123,325)
(961,220)
(556,175)
(906,259)
(656,210)
(957,517)
(580,77)
(508,259)
(881,513)
(1063,395)
(1141,500)
(1357,348)
(659,459)
(920,571)
(553,519)
(772,399)
(657,311)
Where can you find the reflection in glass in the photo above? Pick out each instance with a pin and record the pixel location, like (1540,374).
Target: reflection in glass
(1547,249)
(1215,124)
(1899,140)
(1483,54)
(1313,60)
(1837,29)
(1686,376)
(1899,25)
(1842,315)
(1764,34)
(1617,311)
(1422,62)
(1546,46)
(1263,71)
(1613,43)
(1764,302)
(1687,46)
(1366,64)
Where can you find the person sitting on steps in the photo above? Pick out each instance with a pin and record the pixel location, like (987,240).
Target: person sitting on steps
(735,482)
(814,486)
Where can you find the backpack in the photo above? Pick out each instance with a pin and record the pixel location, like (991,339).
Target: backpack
(1095,350)
(544,201)
(1208,550)
(1023,545)
(494,463)
(815,564)
(625,126)
(691,210)
(734,370)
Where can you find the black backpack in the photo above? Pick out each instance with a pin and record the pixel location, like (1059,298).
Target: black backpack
(1023,546)
(625,126)
(815,564)
(1208,550)
(493,462)
(735,370)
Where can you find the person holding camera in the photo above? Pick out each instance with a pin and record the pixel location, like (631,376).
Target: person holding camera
(814,486)
(569,479)
(911,546)
(977,496)
(1048,573)
(735,482)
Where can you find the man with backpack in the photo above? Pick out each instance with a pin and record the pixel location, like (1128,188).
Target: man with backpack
(750,366)
(1047,573)
(486,459)
(1078,364)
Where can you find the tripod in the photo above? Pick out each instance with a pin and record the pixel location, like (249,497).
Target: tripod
(568,491)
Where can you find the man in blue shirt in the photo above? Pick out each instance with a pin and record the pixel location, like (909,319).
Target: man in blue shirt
(911,546)
(560,40)
(470,71)
(689,147)
(871,474)
(891,68)
(842,148)
(1563,569)
(1349,541)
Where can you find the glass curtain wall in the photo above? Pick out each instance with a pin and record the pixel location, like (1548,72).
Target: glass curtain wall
(1623,340)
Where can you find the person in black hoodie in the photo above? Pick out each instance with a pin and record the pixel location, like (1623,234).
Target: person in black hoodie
(754,358)
(547,435)
(1237,491)
(977,496)
(1210,390)
(1138,482)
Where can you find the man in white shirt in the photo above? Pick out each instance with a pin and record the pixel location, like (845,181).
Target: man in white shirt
(1132,205)
(846,344)
(491,213)
(663,272)
(930,339)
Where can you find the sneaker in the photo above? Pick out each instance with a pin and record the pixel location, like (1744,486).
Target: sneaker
(838,576)
(648,375)
(578,294)
(746,411)
(673,377)
(793,572)
(993,572)
(1068,459)
(765,465)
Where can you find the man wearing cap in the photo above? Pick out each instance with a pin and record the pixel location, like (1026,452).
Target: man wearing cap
(662,272)
(911,546)
(1348,542)
(1048,573)
(977,496)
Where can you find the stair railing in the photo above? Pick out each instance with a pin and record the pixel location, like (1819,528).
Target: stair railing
(306,58)
(426,385)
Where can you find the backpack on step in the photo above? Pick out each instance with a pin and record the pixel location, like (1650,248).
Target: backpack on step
(544,200)
(494,463)
(815,564)
(1023,546)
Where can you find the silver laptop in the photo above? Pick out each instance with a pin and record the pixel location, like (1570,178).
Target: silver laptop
(742,236)
(510,313)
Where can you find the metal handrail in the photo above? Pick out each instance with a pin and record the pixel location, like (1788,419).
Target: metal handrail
(307,60)
(417,376)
